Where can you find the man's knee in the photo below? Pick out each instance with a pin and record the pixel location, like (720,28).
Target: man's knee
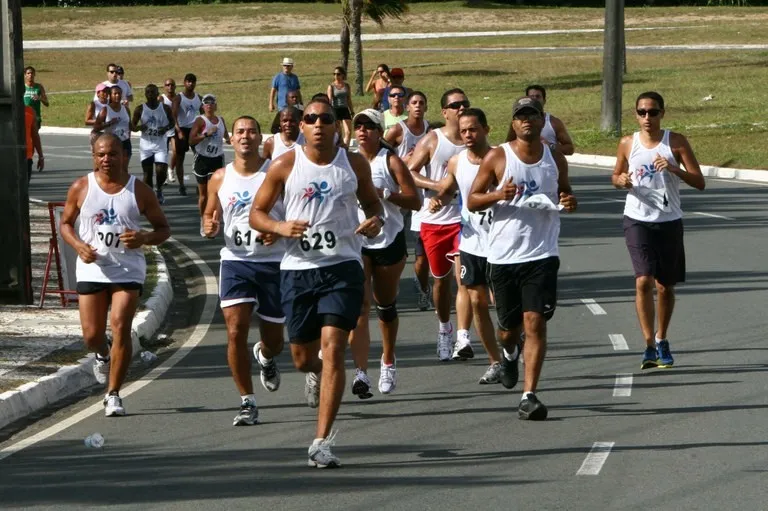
(664,290)
(644,283)
(387,313)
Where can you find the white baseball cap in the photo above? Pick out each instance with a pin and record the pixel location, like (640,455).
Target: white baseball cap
(372,115)
(287,61)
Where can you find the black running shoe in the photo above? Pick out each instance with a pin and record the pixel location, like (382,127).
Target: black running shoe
(510,371)
(531,409)
(183,190)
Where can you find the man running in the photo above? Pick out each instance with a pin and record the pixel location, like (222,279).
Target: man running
(186,107)
(112,80)
(288,137)
(291,99)
(169,86)
(153,119)
(115,118)
(554,133)
(208,134)
(250,267)
(282,83)
(526,184)
(32,142)
(34,94)
(320,185)
(648,165)
(440,230)
(473,246)
(110,266)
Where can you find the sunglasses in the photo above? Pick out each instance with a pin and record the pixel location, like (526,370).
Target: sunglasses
(397,95)
(112,71)
(652,112)
(170,84)
(325,118)
(367,126)
(457,104)
(338,74)
(524,116)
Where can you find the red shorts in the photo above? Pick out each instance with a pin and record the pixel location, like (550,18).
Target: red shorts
(441,245)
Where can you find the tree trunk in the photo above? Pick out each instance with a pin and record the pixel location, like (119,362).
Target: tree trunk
(346,20)
(357,44)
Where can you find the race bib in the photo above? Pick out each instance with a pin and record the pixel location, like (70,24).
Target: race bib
(321,241)
(540,201)
(653,197)
(245,239)
(109,238)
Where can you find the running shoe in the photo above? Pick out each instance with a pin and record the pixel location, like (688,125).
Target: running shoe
(320,454)
(665,356)
(510,371)
(312,389)
(270,374)
(650,358)
(171,178)
(249,414)
(492,375)
(183,190)
(462,350)
(101,368)
(531,409)
(444,343)
(113,406)
(361,385)
(387,377)
(160,197)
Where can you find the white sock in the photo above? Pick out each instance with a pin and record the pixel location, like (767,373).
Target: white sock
(262,360)
(526,395)
(462,334)
(251,398)
(659,340)
(511,356)
(446,328)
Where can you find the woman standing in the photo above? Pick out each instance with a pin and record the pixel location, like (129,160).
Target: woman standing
(383,256)
(34,93)
(340,96)
(377,83)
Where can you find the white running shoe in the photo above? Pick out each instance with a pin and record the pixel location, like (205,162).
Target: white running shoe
(320,454)
(387,377)
(492,375)
(444,344)
(113,406)
(171,178)
(462,350)
(249,414)
(361,385)
(101,369)
(270,373)
(312,389)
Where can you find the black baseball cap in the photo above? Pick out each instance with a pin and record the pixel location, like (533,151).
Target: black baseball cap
(526,103)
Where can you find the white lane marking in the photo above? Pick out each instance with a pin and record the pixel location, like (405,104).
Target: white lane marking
(594,461)
(211,298)
(619,342)
(622,387)
(712,215)
(593,307)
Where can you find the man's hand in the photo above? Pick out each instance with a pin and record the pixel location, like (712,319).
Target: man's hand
(268,238)
(271,108)
(661,164)
(211,225)
(133,239)
(624,181)
(370,227)
(435,204)
(87,253)
(568,201)
(508,190)
(40,163)
(292,228)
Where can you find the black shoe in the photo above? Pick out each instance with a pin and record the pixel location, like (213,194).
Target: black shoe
(183,190)
(531,409)
(510,371)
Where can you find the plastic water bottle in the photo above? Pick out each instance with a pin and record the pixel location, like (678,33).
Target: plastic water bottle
(148,357)
(94,441)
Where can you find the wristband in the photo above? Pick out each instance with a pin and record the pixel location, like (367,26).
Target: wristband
(381,219)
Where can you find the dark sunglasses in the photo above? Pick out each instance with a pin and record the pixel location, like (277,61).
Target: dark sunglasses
(338,74)
(652,112)
(457,104)
(366,125)
(325,118)
(112,71)
(170,84)
(397,95)
(524,116)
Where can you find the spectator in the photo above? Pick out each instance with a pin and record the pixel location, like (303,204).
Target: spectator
(282,83)
(33,142)
(377,83)
(396,77)
(34,93)
(340,96)
(112,80)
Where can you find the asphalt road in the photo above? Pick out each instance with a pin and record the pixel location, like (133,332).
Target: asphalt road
(690,437)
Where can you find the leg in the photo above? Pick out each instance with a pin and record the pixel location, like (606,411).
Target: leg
(202,196)
(272,342)
(535,348)
(93,320)
(665,295)
(334,343)
(124,303)
(421,269)
(347,131)
(238,320)
(441,291)
(478,296)
(172,151)
(147,170)
(463,305)
(360,337)
(305,357)
(161,169)
(645,308)
(386,284)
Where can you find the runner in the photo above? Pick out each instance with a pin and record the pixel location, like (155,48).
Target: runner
(186,107)
(471,263)
(34,94)
(112,80)
(153,119)
(94,109)
(32,142)
(440,231)
(529,184)
(169,85)
(111,267)
(288,137)
(383,256)
(340,96)
(115,118)
(322,286)
(292,98)
(554,133)
(250,267)
(404,136)
(648,165)
(396,111)
(208,134)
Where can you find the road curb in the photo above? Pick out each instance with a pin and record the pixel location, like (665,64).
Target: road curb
(33,396)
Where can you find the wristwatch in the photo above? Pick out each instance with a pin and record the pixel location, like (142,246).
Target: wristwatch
(386,193)
(381,219)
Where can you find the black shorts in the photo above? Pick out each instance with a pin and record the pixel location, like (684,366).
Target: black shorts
(342,114)
(91,288)
(389,255)
(474,270)
(318,297)
(656,249)
(419,250)
(524,287)
(205,167)
(182,145)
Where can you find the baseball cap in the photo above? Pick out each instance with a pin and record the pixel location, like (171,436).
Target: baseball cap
(397,72)
(372,115)
(102,86)
(287,61)
(526,103)
(209,98)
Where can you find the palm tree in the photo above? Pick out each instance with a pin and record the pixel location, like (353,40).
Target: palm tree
(376,10)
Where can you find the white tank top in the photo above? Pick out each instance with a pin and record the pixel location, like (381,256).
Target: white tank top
(154,120)
(521,234)
(279,147)
(548,132)
(98,106)
(122,129)
(451,213)
(410,140)
(168,101)
(103,218)
(325,196)
(241,241)
(213,146)
(474,224)
(188,110)
(393,218)
(654,196)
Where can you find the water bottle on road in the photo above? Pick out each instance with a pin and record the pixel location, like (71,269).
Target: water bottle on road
(95,441)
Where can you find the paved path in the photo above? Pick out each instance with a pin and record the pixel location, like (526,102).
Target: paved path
(691,437)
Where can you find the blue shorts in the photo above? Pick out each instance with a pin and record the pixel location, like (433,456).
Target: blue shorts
(318,297)
(252,282)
